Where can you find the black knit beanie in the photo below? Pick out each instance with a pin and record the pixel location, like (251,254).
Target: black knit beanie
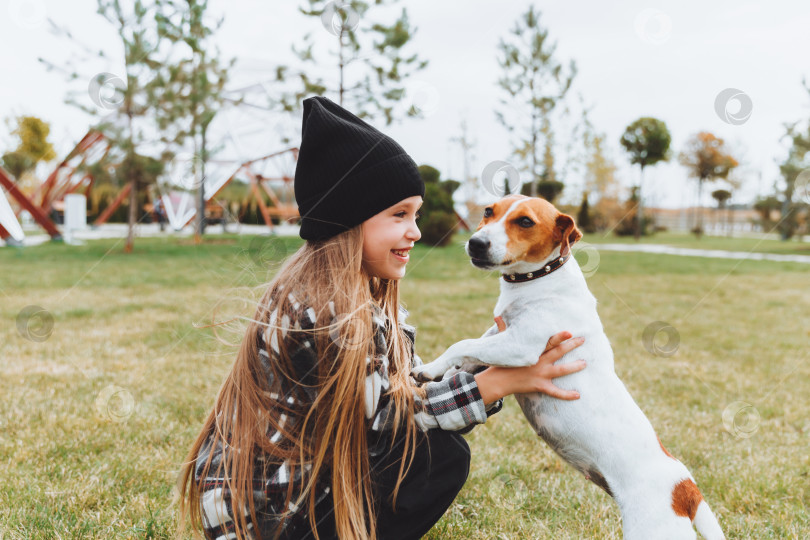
(347,171)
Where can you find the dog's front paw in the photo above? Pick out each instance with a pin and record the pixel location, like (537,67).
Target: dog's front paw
(428,372)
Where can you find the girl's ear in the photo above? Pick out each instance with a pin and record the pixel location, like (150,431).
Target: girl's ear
(566,233)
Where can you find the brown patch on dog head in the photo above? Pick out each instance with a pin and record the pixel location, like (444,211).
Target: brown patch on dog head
(495,211)
(535,242)
(566,233)
(664,449)
(685,498)
(530,228)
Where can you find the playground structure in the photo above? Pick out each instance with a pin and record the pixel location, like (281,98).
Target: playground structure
(271,174)
(265,173)
(62,181)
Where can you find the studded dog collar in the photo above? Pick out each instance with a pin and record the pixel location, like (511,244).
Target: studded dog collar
(529,276)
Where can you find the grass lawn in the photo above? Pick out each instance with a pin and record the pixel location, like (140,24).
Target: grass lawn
(98,411)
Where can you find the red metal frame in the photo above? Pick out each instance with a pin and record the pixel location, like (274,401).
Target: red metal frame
(57,185)
(26,204)
(105,215)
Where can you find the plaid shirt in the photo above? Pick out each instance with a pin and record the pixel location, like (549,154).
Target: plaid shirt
(454,404)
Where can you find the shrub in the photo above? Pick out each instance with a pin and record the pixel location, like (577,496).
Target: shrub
(439,221)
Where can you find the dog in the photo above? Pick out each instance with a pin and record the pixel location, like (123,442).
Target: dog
(604,434)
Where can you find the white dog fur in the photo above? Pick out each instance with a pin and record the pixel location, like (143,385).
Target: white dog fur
(604,434)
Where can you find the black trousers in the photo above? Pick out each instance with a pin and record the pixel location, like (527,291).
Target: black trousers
(439,469)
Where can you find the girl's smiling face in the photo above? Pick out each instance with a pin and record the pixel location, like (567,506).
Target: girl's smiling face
(388,238)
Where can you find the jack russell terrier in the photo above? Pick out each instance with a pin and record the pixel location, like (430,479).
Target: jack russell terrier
(604,434)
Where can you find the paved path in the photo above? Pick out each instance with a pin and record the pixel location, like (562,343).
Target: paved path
(711,253)
(119,230)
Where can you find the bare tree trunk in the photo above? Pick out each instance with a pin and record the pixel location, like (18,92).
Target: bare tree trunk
(699,210)
(533,178)
(340,64)
(640,206)
(133,194)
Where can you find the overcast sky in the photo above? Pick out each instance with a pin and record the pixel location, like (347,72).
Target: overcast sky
(635,58)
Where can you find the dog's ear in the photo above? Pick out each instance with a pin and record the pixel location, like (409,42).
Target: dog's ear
(566,233)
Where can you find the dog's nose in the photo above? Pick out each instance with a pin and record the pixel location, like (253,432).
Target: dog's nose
(478,245)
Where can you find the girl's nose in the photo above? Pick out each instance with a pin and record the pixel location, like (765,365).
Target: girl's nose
(413,232)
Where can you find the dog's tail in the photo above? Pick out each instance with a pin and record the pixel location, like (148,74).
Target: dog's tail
(706,523)
(687,501)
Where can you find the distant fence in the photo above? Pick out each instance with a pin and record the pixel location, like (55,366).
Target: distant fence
(715,221)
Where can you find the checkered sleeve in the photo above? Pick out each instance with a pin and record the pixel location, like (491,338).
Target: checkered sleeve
(452,404)
(455,403)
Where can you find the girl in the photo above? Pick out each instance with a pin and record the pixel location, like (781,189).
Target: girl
(320,431)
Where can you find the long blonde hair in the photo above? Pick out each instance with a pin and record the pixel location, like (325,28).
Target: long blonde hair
(331,436)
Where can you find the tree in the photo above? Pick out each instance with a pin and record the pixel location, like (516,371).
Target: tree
(600,171)
(130,106)
(722,196)
(647,141)
(535,83)
(33,147)
(765,206)
(189,93)
(792,169)
(547,189)
(707,159)
(379,84)
(584,221)
(628,224)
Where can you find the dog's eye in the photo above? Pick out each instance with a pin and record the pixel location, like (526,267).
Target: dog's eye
(487,212)
(525,222)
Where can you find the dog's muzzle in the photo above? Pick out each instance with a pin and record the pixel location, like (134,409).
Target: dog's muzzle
(478,250)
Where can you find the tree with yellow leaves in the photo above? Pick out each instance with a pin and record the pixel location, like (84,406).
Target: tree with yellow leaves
(33,148)
(707,159)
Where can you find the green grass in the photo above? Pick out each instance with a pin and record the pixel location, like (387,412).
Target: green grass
(96,418)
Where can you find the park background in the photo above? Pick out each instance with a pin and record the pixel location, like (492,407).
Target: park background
(117,335)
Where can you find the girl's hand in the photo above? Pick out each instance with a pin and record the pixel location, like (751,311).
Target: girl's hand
(497,382)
